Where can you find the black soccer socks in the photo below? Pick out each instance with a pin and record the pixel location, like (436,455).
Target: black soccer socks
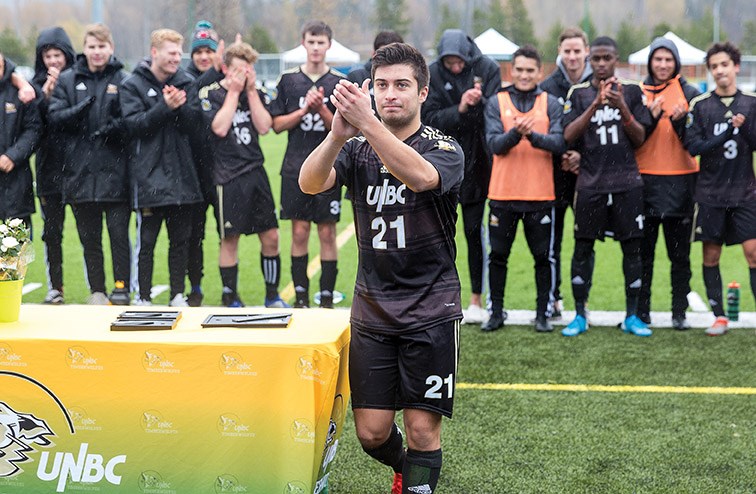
(421,471)
(271,269)
(391,452)
(713,283)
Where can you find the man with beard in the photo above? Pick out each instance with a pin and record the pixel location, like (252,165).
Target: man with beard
(669,177)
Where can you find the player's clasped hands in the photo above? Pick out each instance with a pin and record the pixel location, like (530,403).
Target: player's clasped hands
(524,125)
(315,99)
(174,97)
(353,107)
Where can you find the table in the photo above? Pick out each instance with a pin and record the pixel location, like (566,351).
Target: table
(191,410)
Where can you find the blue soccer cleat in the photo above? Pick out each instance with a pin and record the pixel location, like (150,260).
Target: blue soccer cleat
(634,325)
(577,326)
(276,303)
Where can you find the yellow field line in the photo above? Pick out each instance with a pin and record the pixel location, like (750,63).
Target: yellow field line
(600,388)
(314,266)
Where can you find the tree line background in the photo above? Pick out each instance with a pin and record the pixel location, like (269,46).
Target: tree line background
(273,26)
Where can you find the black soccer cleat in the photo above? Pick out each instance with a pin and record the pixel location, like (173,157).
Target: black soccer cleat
(542,324)
(496,321)
(680,323)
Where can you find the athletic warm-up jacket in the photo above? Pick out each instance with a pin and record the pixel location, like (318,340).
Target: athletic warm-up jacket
(86,109)
(20,129)
(440,110)
(161,166)
(50,155)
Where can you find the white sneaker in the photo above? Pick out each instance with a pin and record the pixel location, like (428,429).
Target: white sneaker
(98,298)
(142,303)
(179,301)
(474,314)
(54,297)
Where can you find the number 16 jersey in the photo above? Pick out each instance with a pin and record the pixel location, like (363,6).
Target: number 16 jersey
(311,130)
(407,278)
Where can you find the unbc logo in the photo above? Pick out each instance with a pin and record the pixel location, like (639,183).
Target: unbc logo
(156,361)
(295,487)
(9,357)
(228,483)
(153,422)
(307,369)
(151,480)
(230,425)
(302,431)
(77,357)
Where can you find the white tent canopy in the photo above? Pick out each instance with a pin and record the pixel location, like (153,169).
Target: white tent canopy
(689,54)
(338,54)
(492,43)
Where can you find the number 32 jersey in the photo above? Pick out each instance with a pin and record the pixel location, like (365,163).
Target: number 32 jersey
(305,137)
(607,156)
(726,177)
(407,278)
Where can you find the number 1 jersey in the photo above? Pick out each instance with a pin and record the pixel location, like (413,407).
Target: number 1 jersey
(407,278)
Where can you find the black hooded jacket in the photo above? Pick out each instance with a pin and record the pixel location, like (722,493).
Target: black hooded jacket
(202,142)
(85,108)
(20,129)
(161,166)
(49,160)
(669,195)
(440,110)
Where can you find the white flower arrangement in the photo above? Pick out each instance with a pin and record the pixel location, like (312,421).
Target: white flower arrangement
(15,249)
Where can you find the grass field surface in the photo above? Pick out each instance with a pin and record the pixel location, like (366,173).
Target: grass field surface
(539,413)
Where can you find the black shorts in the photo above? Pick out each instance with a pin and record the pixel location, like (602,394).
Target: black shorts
(319,208)
(616,214)
(245,205)
(417,370)
(724,225)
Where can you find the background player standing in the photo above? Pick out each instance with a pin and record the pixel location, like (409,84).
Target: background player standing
(406,308)
(606,120)
(302,107)
(669,177)
(523,131)
(54,54)
(572,68)
(720,128)
(237,113)
(462,81)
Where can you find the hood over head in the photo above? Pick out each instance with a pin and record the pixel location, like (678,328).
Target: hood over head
(54,37)
(662,42)
(456,42)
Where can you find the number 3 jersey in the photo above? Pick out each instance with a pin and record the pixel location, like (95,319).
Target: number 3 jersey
(726,177)
(238,152)
(607,156)
(305,137)
(407,279)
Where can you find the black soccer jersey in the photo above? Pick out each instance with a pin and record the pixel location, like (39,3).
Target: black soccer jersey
(608,157)
(726,177)
(406,279)
(238,152)
(305,137)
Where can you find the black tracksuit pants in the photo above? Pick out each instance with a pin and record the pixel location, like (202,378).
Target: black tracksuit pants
(472,219)
(677,232)
(89,225)
(539,233)
(178,221)
(53,214)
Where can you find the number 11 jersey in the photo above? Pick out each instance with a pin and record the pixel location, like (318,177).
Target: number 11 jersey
(607,156)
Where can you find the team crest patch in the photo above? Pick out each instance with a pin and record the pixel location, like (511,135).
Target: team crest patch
(493,220)
(206,105)
(689,120)
(112,89)
(445,146)
(10,108)
(151,92)
(567,106)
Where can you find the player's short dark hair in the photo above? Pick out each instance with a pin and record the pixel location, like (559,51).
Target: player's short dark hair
(402,53)
(725,47)
(528,51)
(317,28)
(386,38)
(604,41)
(573,32)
